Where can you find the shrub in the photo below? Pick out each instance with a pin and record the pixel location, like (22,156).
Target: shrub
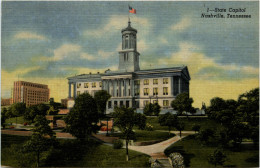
(118,144)
(148,127)
(177,160)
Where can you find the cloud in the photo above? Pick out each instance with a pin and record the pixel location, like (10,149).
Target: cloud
(203,67)
(142,46)
(62,52)
(87,56)
(114,24)
(181,25)
(29,35)
(104,54)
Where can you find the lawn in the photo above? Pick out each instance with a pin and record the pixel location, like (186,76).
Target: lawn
(196,155)
(20,120)
(143,135)
(188,122)
(70,153)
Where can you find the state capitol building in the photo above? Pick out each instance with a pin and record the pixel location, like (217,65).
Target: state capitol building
(130,86)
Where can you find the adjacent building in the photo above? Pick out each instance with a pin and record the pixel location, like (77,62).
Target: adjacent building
(130,86)
(6,102)
(30,93)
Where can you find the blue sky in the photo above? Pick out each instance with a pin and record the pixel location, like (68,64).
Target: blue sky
(55,40)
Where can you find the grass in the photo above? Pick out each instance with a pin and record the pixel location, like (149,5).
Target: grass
(188,122)
(70,153)
(196,155)
(20,120)
(143,135)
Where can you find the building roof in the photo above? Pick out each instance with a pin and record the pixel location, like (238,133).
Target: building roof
(129,28)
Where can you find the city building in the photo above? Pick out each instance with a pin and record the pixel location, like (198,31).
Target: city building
(30,93)
(130,86)
(6,102)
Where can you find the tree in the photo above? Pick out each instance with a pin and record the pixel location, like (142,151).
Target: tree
(183,103)
(169,120)
(18,109)
(237,131)
(196,128)
(126,119)
(152,109)
(42,138)
(32,111)
(3,116)
(52,111)
(83,117)
(101,97)
(216,104)
(217,158)
(180,126)
(156,108)
(148,109)
(204,135)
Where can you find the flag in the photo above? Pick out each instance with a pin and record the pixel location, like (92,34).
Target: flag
(132,10)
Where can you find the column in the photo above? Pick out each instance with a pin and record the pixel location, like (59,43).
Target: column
(114,88)
(125,87)
(69,90)
(119,87)
(74,90)
(132,88)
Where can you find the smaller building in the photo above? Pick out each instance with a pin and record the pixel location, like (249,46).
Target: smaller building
(6,102)
(30,93)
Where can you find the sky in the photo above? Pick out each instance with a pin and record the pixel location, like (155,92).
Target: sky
(46,42)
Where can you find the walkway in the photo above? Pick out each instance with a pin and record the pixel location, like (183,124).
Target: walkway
(156,150)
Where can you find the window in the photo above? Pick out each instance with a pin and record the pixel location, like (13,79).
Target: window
(78,92)
(121,103)
(146,102)
(85,91)
(129,82)
(165,91)
(165,102)
(146,82)
(155,91)
(146,91)
(129,92)
(137,91)
(155,101)
(93,84)
(165,80)
(78,85)
(85,85)
(127,104)
(115,103)
(100,84)
(109,104)
(137,82)
(155,81)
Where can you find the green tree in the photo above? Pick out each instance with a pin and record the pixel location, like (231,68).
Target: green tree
(205,135)
(42,138)
(126,119)
(32,111)
(168,120)
(183,103)
(52,111)
(148,109)
(3,116)
(17,109)
(101,97)
(83,117)
(156,108)
(196,128)
(217,158)
(180,126)
(216,104)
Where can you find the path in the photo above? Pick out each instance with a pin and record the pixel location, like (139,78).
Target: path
(156,150)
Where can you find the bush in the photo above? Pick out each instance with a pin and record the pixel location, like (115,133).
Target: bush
(118,144)
(148,127)
(177,160)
